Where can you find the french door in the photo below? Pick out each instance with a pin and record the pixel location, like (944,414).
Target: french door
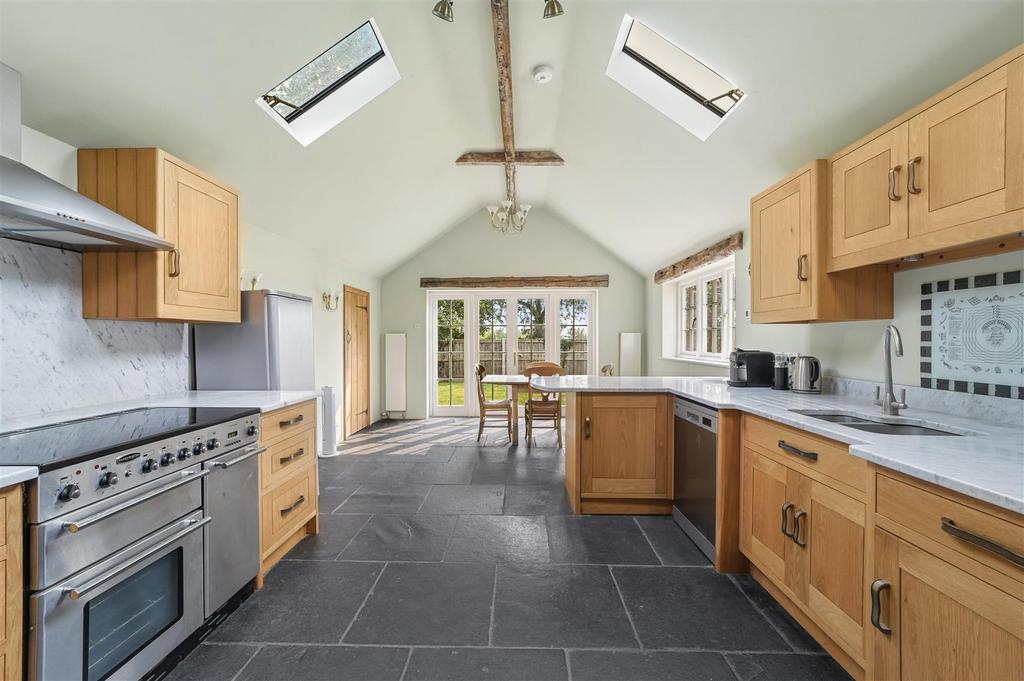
(504,331)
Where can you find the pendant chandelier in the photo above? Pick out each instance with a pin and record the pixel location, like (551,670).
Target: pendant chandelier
(508,217)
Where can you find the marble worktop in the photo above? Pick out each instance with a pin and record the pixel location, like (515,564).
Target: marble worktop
(985,462)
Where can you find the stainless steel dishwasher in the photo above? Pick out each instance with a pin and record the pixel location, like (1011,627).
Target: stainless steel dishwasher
(231,500)
(696,473)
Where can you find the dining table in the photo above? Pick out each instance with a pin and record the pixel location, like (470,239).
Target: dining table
(515,383)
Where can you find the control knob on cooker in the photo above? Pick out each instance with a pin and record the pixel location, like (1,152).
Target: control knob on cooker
(251,430)
(69,492)
(167,459)
(212,443)
(199,448)
(184,453)
(149,466)
(108,479)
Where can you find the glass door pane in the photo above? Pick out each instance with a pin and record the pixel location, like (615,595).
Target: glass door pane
(492,343)
(451,369)
(574,335)
(530,341)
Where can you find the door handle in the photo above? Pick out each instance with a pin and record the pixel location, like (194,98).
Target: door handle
(295,504)
(74,527)
(950,527)
(893,172)
(786,508)
(801,264)
(796,451)
(877,587)
(795,536)
(291,422)
(912,187)
(76,592)
(249,453)
(586,427)
(175,263)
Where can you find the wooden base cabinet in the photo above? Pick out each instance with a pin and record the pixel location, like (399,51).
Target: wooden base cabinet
(788,258)
(11,590)
(198,280)
(289,485)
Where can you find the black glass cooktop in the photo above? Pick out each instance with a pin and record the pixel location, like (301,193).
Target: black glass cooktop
(66,443)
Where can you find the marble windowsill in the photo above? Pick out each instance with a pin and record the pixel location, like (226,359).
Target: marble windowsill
(986,464)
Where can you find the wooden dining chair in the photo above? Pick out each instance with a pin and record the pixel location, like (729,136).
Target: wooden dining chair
(543,407)
(492,411)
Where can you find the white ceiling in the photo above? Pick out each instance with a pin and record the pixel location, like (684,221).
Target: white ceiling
(183,76)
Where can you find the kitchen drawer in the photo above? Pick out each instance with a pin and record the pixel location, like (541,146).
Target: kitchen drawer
(287,455)
(831,459)
(287,421)
(923,511)
(287,507)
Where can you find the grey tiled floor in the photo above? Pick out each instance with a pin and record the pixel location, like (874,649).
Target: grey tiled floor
(464,563)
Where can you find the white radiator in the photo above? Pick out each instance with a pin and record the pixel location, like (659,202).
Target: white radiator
(629,353)
(329,421)
(394,372)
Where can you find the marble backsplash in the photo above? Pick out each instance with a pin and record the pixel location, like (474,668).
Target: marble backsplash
(52,359)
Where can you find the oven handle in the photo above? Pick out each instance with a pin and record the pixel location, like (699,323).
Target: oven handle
(249,452)
(187,476)
(74,593)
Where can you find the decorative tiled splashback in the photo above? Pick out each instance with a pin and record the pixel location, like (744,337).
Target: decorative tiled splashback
(972,334)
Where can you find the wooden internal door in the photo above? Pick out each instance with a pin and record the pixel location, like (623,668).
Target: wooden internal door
(869,197)
(780,255)
(942,622)
(201,219)
(967,153)
(626,444)
(357,360)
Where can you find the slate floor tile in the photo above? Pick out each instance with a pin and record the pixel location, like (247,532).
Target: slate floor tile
(671,543)
(624,665)
(212,663)
(793,667)
(433,473)
(402,537)
(518,473)
(427,604)
(499,539)
(598,539)
(483,664)
(465,499)
(333,493)
(795,635)
(336,531)
(559,606)
(326,663)
(302,602)
(385,498)
(679,607)
(374,471)
(536,500)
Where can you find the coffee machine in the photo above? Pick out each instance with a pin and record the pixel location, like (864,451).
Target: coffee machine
(751,368)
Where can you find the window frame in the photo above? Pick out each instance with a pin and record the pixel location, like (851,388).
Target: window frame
(726,270)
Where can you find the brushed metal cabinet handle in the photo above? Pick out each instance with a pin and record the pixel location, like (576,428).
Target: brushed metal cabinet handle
(912,187)
(801,267)
(893,172)
(786,508)
(795,536)
(796,451)
(298,502)
(877,587)
(586,426)
(175,263)
(294,455)
(291,422)
(950,527)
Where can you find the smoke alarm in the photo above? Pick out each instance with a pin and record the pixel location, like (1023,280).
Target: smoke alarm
(543,74)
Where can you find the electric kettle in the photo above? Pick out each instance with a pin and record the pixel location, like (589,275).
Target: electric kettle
(805,375)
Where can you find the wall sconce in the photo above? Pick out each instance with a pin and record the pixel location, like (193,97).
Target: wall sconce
(331,299)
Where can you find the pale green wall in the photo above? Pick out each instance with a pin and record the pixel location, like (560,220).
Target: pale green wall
(290,266)
(847,349)
(548,246)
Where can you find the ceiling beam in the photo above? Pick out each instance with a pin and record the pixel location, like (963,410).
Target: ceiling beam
(722,249)
(544,157)
(503,56)
(567,281)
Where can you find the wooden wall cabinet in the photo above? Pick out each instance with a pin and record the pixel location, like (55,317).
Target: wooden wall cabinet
(11,589)
(289,484)
(946,174)
(788,258)
(198,281)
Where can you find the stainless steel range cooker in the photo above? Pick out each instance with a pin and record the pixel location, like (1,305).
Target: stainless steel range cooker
(140,526)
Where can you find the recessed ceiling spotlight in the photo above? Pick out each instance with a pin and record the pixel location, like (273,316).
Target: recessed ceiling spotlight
(443,10)
(553,8)
(543,73)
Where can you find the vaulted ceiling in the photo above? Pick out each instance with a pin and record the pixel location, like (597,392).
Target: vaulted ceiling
(183,76)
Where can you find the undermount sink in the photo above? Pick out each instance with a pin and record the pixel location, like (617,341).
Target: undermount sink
(891,425)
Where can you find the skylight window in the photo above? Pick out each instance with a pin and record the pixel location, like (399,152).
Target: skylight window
(670,79)
(333,86)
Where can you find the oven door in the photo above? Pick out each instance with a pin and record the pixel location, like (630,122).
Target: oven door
(119,618)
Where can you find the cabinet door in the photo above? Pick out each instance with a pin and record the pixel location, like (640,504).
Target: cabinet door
(945,623)
(780,254)
(865,213)
(762,507)
(833,530)
(201,219)
(971,153)
(625,448)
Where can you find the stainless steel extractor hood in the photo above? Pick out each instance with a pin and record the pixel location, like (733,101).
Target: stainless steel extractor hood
(35,208)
